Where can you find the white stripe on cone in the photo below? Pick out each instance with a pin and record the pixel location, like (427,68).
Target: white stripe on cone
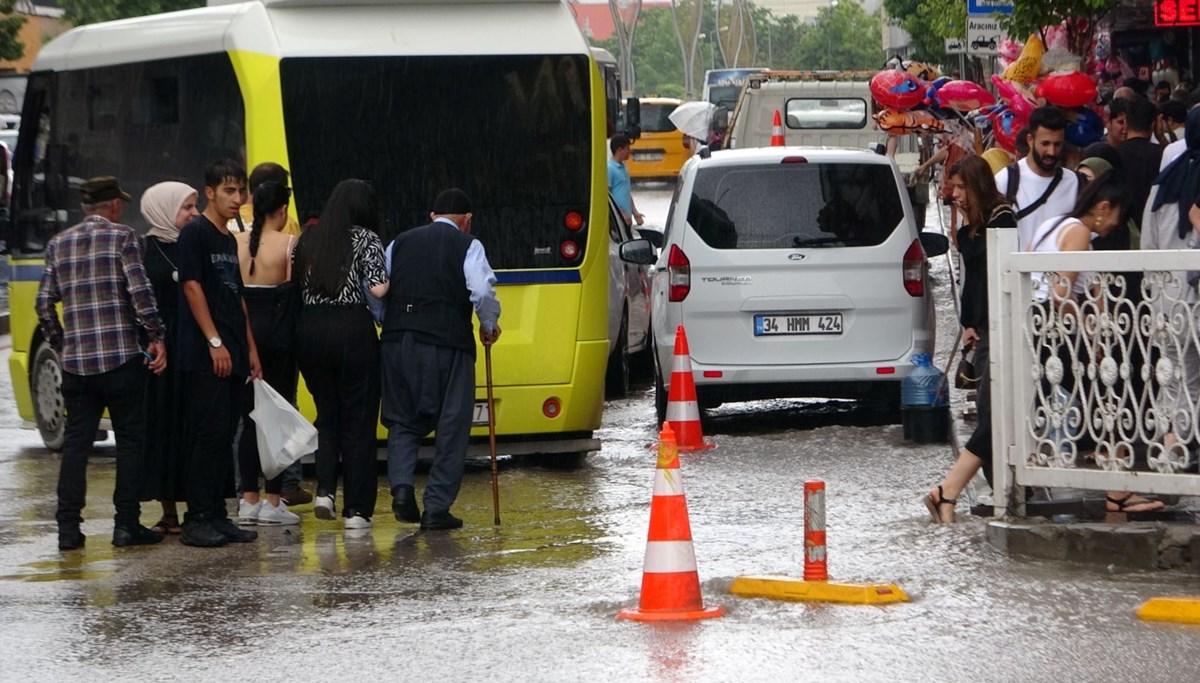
(669,557)
(668,483)
(683,411)
(681,363)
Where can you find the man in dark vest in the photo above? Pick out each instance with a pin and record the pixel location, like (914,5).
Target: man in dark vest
(438,274)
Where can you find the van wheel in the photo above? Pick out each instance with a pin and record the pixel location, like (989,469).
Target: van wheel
(616,382)
(49,409)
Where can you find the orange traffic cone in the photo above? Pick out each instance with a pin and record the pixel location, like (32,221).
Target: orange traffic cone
(683,409)
(670,582)
(777,131)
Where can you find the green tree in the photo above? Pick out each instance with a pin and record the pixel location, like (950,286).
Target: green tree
(843,37)
(10,26)
(656,56)
(1081,16)
(91,11)
(929,23)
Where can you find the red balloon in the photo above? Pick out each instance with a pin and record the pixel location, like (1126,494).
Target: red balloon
(964,96)
(1068,90)
(897,89)
(1006,126)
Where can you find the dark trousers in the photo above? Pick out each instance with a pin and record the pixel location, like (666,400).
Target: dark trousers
(428,388)
(980,442)
(339,358)
(213,414)
(122,391)
(279,371)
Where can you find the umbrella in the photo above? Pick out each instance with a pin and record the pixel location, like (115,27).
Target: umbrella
(693,118)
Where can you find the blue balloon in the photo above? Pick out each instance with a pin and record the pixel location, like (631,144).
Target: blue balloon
(1085,129)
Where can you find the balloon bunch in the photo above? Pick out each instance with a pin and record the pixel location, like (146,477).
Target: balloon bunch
(915,105)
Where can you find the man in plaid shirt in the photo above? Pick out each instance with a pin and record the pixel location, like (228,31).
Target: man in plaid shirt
(95,270)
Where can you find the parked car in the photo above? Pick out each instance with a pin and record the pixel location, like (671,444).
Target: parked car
(661,149)
(796,271)
(628,303)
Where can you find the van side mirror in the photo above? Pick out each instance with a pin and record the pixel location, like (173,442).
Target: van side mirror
(934,244)
(638,252)
(633,118)
(652,236)
(878,148)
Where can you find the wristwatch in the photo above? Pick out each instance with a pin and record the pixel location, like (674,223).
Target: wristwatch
(215,342)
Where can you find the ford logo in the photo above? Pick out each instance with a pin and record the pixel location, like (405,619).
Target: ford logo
(796,257)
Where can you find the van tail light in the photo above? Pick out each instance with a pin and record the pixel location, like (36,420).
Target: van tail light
(687,142)
(679,274)
(914,269)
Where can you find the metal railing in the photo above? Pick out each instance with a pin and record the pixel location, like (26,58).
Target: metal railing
(1100,388)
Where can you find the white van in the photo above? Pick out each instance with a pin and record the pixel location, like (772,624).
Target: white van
(796,271)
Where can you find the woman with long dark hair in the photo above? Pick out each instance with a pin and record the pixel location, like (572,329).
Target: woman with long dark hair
(167,207)
(974,191)
(335,261)
(265,258)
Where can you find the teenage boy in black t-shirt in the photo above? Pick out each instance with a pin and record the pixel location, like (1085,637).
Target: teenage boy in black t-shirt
(216,353)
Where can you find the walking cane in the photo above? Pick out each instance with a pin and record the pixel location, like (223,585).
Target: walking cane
(491,405)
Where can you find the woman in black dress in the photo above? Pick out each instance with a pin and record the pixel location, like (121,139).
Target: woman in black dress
(975,194)
(166,207)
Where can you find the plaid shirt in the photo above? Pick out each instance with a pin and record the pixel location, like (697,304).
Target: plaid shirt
(95,269)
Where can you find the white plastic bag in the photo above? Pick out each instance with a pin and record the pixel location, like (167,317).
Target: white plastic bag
(284,435)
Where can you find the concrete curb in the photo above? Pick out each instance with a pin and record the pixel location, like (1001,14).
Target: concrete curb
(1136,545)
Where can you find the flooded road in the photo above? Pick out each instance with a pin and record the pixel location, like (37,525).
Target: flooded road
(535,599)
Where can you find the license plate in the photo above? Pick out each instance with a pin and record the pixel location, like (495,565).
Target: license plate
(647,156)
(480,418)
(804,323)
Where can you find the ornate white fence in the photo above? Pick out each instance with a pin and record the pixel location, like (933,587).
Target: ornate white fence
(1092,390)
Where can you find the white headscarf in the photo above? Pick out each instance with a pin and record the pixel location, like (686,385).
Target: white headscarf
(161,204)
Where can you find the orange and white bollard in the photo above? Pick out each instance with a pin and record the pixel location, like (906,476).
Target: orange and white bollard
(777,131)
(816,586)
(815,566)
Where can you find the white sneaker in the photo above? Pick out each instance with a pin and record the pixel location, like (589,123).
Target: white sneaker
(357,522)
(323,507)
(248,513)
(277,516)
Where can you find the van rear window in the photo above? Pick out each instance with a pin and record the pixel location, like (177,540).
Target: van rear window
(790,206)
(827,113)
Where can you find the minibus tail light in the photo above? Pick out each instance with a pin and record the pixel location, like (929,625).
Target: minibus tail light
(914,269)
(573,220)
(679,274)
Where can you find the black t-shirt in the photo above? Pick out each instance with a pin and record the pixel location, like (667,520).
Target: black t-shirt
(210,257)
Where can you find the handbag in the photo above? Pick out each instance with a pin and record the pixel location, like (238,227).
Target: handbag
(966,376)
(284,435)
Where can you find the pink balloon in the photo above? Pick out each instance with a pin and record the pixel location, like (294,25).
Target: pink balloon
(964,96)
(1012,97)
(1068,90)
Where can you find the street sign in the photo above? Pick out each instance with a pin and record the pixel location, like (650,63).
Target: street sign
(983,36)
(991,6)
(954,46)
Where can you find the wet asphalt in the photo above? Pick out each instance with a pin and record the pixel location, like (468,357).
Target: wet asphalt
(535,599)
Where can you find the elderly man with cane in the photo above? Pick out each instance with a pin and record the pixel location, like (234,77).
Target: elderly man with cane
(439,272)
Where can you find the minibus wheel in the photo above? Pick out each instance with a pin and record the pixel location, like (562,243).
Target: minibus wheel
(45,383)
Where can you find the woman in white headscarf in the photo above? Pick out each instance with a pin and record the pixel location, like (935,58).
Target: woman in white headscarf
(166,207)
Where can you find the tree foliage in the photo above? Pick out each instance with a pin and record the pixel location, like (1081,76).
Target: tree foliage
(1080,17)
(11,48)
(843,37)
(91,11)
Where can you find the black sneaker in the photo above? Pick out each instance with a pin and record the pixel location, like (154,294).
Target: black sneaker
(297,497)
(232,532)
(201,534)
(70,538)
(135,534)
(440,522)
(404,504)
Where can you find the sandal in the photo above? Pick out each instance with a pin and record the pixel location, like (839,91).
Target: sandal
(1129,504)
(169,524)
(935,506)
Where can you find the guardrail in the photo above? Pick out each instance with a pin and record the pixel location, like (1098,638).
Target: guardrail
(1090,391)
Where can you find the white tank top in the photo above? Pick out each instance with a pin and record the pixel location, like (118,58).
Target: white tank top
(1045,239)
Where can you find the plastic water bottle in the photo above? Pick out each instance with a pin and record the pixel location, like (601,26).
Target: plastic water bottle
(925,385)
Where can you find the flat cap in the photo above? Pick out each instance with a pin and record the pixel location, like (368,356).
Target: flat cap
(102,188)
(451,202)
